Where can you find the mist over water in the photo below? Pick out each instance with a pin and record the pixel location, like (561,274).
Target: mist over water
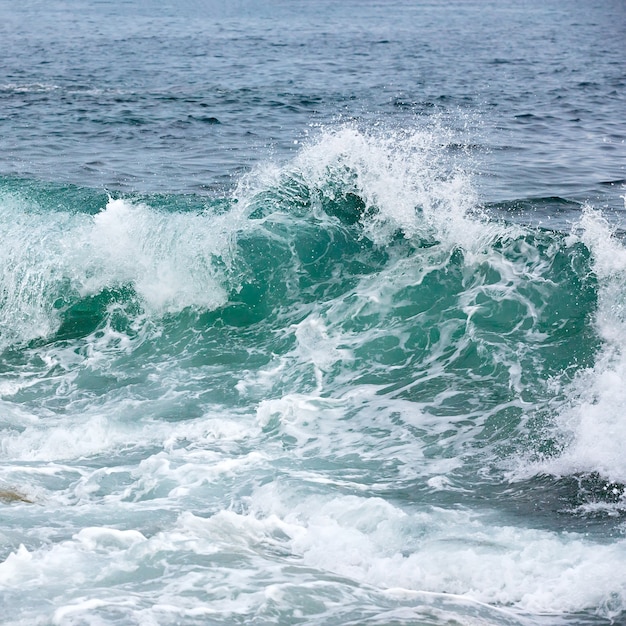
(312,315)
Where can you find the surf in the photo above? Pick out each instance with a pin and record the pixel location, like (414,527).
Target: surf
(348,350)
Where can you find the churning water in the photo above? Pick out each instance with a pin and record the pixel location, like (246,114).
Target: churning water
(312,313)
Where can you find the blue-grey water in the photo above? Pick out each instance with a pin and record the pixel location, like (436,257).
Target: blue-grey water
(313,312)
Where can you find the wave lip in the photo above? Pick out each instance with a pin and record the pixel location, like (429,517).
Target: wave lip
(389,181)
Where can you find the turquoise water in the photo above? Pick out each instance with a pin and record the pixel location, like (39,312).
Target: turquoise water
(312,315)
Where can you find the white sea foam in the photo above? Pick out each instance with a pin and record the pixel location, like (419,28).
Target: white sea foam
(405,179)
(373,542)
(29,87)
(364,546)
(592,424)
(269,508)
(315,345)
(166,257)
(32,260)
(50,256)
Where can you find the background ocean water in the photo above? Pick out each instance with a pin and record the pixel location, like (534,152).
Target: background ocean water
(312,313)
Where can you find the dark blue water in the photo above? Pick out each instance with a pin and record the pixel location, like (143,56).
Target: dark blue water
(312,313)
(183,96)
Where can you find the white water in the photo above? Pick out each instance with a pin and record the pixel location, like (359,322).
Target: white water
(300,502)
(592,424)
(168,259)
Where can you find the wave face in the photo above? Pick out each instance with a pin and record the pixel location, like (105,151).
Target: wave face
(344,393)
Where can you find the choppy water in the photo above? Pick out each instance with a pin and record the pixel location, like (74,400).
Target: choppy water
(312,313)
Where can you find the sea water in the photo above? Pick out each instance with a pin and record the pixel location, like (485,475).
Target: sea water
(312,313)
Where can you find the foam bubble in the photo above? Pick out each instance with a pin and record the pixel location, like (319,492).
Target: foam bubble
(107,539)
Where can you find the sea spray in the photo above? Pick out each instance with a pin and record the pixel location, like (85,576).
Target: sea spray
(590,424)
(53,259)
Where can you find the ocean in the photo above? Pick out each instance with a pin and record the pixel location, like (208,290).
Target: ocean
(313,313)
